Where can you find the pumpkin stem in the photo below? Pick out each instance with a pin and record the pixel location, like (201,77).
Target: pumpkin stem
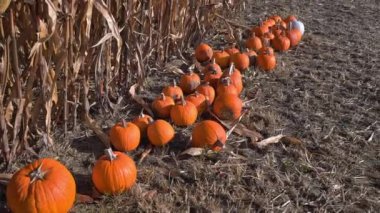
(231,70)
(142,113)
(183,100)
(213,61)
(109,153)
(196,93)
(123,122)
(150,120)
(37,174)
(174,83)
(162,96)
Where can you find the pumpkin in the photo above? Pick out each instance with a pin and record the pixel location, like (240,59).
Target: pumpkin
(254,42)
(125,136)
(228,106)
(252,56)
(225,87)
(261,29)
(142,122)
(232,50)
(4,4)
(281,42)
(266,59)
(269,22)
(184,113)
(268,35)
(290,18)
(114,173)
(222,58)
(199,100)
(189,82)
(161,106)
(209,134)
(276,18)
(173,91)
(277,29)
(207,90)
(45,185)
(266,48)
(213,73)
(203,53)
(160,132)
(212,67)
(235,76)
(241,61)
(294,35)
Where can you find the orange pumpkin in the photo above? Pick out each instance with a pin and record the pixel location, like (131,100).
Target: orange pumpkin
(232,50)
(269,22)
(213,73)
(266,48)
(161,106)
(142,122)
(228,106)
(266,60)
(114,173)
(199,100)
(212,67)
(276,18)
(281,43)
(125,136)
(268,35)
(203,53)
(294,35)
(235,76)
(160,132)
(173,91)
(254,42)
(189,82)
(184,113)
(209,134)
(290,18)
(207,90)
(260,30)
(42,186)
(241,61)
(222,58)
(225,87)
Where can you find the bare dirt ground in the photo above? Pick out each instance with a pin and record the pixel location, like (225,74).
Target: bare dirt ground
(325,92)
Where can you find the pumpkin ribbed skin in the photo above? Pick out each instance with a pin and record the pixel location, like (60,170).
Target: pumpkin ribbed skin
(114,176)
(222,58)
(161,106)
(228,106)
(160,132)
(199,100)
(207,90)
(142,122)
(173,91)
(189,82)
(54,193)
(125,136)
(266,61)
(254,43)
(209,134)
(281,43)
(184,113)
(203,53)
(241,61)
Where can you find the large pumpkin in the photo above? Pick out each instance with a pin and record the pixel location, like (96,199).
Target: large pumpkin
(162,105)
(209,134)
(42,186)
(125,136)
(203,53)
(184,113)
(160,132)
(228,106)
(173,90)
(189,82)
(114,173)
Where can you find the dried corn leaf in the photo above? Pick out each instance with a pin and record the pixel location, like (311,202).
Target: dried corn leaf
(139,100)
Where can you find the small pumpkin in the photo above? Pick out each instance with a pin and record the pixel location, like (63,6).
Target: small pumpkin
(266,60)
(173,90)
(225,87)
(161,106)
(268,35)
(266,48)
(160,132)
(114,173)
(203,53)
(294,35)
(199,100)
(276,18)
(281,43)
(212,67)
(142,122)
(125,136)
(45,185)
(254,42)
(261,29)
(213,73)
(228,106)
(184,113)
(208,133)
(290,18)
(232,50)
(189,82)
(222,58)
(269,22)
(241,61)
(235,76)
(207,90)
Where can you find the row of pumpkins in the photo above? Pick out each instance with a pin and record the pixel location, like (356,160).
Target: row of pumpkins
(46,185)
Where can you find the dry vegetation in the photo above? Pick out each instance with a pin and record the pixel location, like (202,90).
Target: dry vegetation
(86,56)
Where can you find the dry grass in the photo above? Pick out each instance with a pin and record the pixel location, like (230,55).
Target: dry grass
(325,92)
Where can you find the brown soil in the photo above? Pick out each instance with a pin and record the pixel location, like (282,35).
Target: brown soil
(325,92)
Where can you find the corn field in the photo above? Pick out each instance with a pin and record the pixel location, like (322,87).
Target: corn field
(58,58)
